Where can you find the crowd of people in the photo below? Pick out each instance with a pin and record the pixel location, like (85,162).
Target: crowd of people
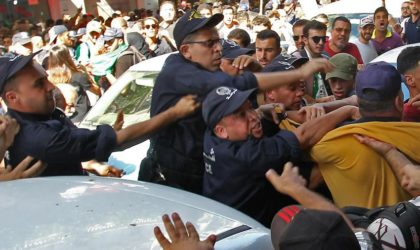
(258,112)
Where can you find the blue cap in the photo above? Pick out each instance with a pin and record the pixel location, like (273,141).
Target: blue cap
(292,60)
(276,66)
(231,50)
(9,66)
(378,81)
(190,22)
(221,102)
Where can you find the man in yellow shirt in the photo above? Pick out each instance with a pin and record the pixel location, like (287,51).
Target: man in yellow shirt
(355,174)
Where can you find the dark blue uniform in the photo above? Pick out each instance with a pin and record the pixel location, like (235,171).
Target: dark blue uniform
(57,142)
(235,172)
(178,148)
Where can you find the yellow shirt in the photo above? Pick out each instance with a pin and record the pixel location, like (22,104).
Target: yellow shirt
(355,174)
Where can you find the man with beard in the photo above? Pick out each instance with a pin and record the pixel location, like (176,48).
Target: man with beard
(364,43)
(382,38)
(411,33)
(237,154)
(339,41)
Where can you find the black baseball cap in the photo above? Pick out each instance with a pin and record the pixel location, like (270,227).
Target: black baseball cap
(9,66)
(190,22)
(223,101)
(231,50)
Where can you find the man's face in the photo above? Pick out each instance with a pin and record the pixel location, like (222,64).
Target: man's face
(414,80)
(315,47)
(298,37)
(341,88)
(205,13)
(340,34)
(367,31)
(151,28)
(405,9)
(291,95)
(66,40)
(413,8)
(167,12)
(208,57)
(381,21)
(228,16)
(266,50)
(242,124)
(7,41)
(34,93)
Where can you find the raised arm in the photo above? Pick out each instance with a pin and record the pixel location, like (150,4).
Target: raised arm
(407,173)
(292,184)
(143,130)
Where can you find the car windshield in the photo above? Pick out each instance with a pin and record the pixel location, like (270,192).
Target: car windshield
(132,95)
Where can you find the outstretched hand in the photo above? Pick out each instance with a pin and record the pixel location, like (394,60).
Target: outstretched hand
(23,170)
(182,236)
(315,65)
(289,180)
(379,146)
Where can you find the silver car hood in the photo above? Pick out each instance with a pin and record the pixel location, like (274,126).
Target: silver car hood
(94,212)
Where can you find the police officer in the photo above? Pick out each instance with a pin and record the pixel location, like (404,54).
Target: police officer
(177,150)
(48,135)
(237,155)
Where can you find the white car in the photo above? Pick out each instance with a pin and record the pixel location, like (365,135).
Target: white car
(83,212)
(391,58)
(131,93)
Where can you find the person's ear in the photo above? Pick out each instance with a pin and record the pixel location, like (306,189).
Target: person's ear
(220,131)
(269,96)
(10,97)
(185,51)
(399,102)
(409,80)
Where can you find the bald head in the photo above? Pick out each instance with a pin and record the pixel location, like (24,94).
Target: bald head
(119,23)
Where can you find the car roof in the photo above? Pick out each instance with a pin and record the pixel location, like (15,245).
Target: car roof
(392,55)
(154,64)
(93,212)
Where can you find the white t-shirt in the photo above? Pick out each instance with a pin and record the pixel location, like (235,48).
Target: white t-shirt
(367,51)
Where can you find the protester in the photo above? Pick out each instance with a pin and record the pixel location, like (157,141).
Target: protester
(342,160)
(410,33)
(408,65)
(339,40)
(382,38)
(342,78)
(241,37)
(158,46)
(178,148)
(267,46)
(315,37)
(229,22)
(298,34)
(364,42)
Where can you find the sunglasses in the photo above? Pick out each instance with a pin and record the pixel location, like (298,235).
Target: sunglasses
(147,26)
(208,43)
(317,39)
(296,38)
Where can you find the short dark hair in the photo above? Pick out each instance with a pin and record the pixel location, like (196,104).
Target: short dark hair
(313,25)
(380,9)
(261,20)
(408,59)
(240,35)
(369,106)
(300,22)
(266,34)
(342,19)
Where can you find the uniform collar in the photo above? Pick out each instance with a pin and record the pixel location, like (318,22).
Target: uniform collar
(56,114)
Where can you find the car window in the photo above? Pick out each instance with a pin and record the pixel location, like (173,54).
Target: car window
(133,97)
